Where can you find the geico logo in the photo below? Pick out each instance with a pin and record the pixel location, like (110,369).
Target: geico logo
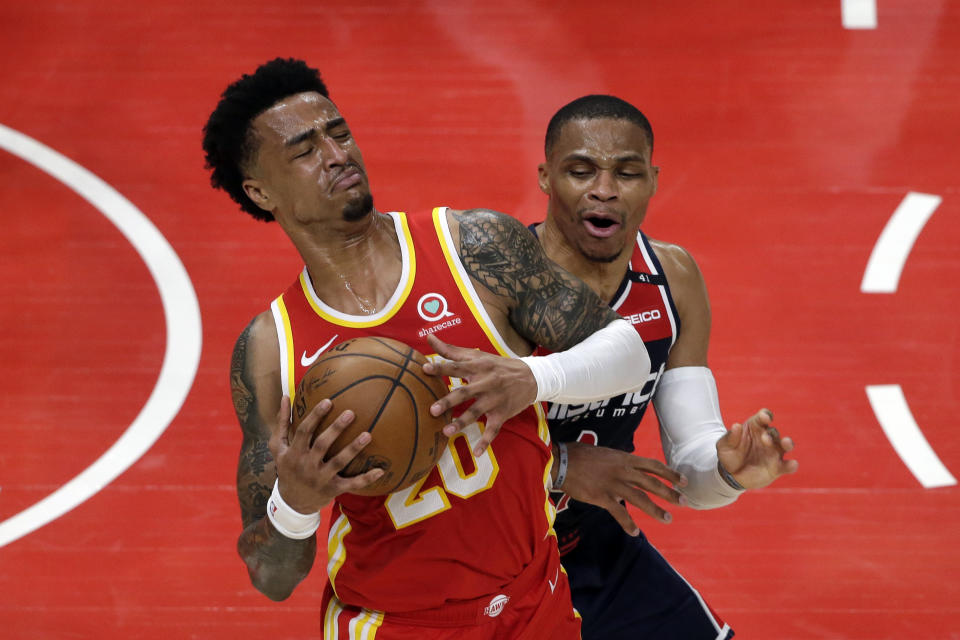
(644,316)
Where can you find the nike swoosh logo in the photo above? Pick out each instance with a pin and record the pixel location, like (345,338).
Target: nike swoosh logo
(305,361)
(553,585)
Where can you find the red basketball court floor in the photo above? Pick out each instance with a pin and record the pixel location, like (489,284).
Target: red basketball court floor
(786,142)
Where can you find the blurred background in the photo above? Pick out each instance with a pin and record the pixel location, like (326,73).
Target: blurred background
(787,137)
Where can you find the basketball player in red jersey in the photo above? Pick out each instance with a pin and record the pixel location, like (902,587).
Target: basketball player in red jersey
(599,178)
(467,552)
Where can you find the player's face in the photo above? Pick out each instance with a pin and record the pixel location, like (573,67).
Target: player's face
(600,180)
(307,167)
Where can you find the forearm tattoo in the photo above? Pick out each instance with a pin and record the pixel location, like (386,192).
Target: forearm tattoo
(276,563)
(550,306)
(253,490)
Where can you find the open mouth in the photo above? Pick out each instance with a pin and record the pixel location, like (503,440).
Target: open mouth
(601,226)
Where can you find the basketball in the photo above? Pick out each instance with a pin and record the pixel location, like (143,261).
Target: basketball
(382,382)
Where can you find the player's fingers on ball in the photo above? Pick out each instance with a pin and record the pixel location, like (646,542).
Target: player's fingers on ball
(361,481)
(305,430)
(340,461)
(326,437)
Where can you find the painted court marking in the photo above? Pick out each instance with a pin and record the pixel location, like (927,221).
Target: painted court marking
(182,315)
(885,265)
(882,275)
(893,413)
(859,14)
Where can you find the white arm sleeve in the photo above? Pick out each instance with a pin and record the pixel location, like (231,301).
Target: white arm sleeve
(690,424)
(609,362)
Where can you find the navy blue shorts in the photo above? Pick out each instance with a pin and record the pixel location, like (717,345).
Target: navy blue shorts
(624,588)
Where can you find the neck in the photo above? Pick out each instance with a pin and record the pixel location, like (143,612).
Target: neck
(355,267)
(603,277)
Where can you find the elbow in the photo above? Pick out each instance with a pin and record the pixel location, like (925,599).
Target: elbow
(274,578)
(276,586)
(272,590)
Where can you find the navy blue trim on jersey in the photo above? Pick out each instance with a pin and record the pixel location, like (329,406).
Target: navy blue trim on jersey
(656,264)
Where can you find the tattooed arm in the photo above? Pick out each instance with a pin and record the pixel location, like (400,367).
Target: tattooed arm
(276,563)
(545,304)
(531,301)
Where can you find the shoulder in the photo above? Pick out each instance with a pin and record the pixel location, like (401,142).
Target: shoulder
(678,265)
(255,364)
(486,223)
(258,338)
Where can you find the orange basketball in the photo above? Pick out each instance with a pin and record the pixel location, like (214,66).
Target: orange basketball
(382,382)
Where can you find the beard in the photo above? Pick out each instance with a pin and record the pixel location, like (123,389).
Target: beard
(358,209)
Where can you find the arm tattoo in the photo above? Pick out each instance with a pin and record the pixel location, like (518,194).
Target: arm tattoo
(256,463)
(548,305)
(276,563)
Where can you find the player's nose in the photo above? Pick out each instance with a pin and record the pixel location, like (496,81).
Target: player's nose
(604,188)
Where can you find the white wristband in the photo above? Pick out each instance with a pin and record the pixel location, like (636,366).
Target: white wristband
(289,521)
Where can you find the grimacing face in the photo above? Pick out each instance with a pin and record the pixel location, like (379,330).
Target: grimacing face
(307,165)
(599,180)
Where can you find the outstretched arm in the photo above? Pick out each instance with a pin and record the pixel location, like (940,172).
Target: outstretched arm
(692,430)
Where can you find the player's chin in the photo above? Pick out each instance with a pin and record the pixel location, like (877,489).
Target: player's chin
(601,254)
(359,207)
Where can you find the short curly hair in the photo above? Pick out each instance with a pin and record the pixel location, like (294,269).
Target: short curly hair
(227,140)
(593,107)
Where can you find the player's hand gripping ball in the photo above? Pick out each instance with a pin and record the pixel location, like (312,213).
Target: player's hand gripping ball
(382,382)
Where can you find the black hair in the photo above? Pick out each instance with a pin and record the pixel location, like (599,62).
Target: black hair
(227,140)
(590,108)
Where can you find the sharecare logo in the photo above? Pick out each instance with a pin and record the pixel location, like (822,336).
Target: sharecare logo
(644,316)
(432,307)
(496,606)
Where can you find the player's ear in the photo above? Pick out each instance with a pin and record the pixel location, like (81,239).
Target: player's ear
(256,192)
(543,178)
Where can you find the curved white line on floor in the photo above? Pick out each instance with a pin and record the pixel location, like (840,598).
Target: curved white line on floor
(893,413)
(893,247)
(859,14)
(182,355)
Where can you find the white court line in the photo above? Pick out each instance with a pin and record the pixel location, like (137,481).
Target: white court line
(893,247)
(893,414)
(859,14)
(182,355)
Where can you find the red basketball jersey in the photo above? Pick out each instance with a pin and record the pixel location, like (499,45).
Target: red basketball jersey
(472,524)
